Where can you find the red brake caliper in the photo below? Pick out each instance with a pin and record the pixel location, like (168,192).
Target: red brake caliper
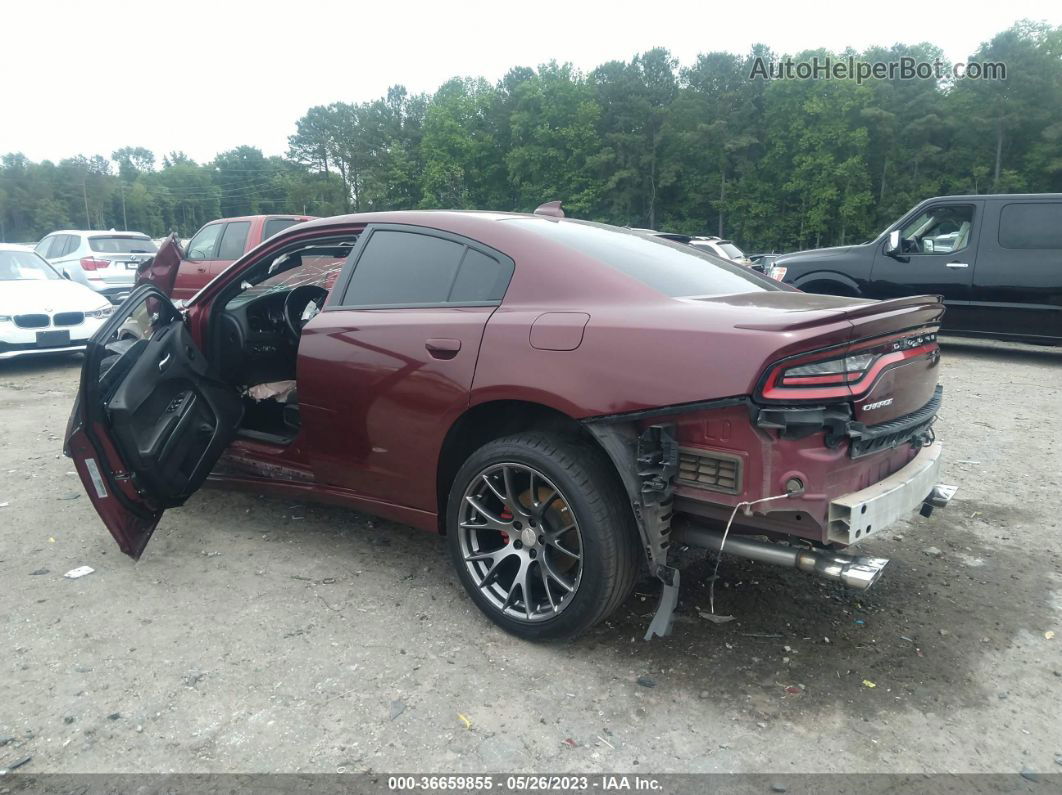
(505,514)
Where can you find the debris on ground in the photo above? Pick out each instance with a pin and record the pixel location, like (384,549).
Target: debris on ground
(15,765)
(465,720)
(568,741)
(397,708)
(868,683)
(80,571)
(715,619)
(646,681)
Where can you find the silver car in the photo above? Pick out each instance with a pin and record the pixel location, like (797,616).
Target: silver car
(105,261)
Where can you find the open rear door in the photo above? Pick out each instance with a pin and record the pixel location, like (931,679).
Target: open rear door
(149,422)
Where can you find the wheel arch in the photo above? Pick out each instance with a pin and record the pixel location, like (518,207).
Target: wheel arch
(493,419)
(828,283)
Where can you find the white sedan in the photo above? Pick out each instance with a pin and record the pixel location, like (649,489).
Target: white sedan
(40,311)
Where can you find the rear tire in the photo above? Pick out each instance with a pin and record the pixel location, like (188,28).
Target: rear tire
(542,535)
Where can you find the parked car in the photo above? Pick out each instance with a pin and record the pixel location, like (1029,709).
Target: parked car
(40,311)
(995,259)
(724,249)
(721,248)
(220,243)
(105,261)
(564,400)
(763,262)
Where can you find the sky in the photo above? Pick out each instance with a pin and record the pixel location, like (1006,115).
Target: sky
(91,76)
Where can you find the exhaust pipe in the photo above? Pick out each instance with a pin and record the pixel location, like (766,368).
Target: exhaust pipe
(857,572)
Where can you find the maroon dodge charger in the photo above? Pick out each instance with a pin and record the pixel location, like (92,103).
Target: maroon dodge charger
(567,402)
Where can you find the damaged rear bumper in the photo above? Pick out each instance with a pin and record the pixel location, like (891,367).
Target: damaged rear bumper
(855,516)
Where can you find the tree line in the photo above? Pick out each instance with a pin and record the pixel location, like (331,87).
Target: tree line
(700,149)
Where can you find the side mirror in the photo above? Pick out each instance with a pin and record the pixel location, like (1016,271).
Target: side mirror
(66,275)
(892,247)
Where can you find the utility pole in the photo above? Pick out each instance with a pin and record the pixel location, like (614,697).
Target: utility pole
(84,195)
(121,190)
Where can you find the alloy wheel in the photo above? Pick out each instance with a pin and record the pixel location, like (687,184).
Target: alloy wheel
(520,542)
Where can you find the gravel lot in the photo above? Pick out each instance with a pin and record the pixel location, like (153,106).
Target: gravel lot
(259,635)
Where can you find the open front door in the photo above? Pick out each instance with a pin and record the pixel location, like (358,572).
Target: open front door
(161,270)
(149,422)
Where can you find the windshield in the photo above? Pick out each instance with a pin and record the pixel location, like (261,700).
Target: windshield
(19,266)
(674,269)
(122,245)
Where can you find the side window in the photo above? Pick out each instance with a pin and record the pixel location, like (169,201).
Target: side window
(480,278)
(1036,226)
(42,247)
(403,269)
(73,242)
(55,250)
(939,230)
(274,225)
(234,240)
(205,242)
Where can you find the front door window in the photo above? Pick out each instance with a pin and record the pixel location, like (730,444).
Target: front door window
(939,230)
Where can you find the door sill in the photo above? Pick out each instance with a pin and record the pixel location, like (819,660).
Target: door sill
(283,440)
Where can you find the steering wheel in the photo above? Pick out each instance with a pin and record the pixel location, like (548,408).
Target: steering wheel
(296,305)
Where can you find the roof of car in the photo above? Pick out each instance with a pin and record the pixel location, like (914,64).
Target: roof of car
(266,217)
(411,216)
(15,247)
(1021,196)
(98,232)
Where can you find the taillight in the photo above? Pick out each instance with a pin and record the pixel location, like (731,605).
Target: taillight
(777,272)
(91,263)
(827,376)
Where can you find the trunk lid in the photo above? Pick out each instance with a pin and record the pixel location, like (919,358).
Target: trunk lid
(901,333)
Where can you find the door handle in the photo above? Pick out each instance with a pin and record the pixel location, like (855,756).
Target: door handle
(957,265)
(442,348)
(201,269)
(163,362)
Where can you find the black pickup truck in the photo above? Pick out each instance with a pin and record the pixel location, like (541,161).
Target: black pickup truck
(996,260)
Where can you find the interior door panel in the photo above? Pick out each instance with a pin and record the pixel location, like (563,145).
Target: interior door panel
(170,419)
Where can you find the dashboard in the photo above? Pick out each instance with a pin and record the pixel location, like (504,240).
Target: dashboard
(255,344)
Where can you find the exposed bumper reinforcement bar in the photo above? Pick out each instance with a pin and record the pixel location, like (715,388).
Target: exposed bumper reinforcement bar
(855,516)
(859,572)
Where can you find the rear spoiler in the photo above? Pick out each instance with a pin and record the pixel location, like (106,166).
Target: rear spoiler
(911,311)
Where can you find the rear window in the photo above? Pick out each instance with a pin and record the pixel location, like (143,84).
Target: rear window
(404,268)
(122,245)
(274,225)
(1033,225)
(673,269)
(732,250)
